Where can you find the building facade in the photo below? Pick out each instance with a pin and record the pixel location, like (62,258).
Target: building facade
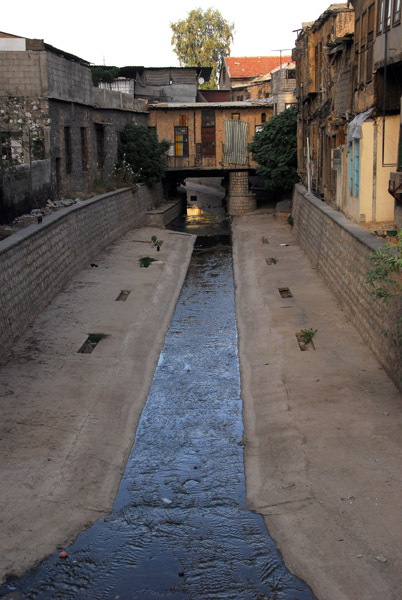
(249,77)
(349,90)
(59,134)
(212,139)
(160,84)
(323,84)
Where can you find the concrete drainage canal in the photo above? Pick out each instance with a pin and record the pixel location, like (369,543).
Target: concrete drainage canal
(179,528)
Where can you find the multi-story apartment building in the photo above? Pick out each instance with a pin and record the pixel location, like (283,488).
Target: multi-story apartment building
(323,53)
(349,87)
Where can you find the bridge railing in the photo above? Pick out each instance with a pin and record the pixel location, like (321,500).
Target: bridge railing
(195,160)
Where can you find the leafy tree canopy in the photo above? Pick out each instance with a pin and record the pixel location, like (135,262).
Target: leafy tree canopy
(275,150)
(202,39)
(104,74)
(140,149)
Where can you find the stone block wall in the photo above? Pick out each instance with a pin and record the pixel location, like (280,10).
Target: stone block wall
(38,261)
(23,74)
(339,250)
(69,80)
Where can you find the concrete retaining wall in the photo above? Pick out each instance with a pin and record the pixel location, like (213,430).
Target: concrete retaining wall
(340,250)
(164,214)
(37,262)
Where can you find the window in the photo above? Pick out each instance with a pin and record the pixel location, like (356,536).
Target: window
(235,116)
(263,117)
(291,74)
(370,43)
(84,149)
(100,145)
(37,144)
(380,16)
(362,57)
(182,120)
(354,168)
(384,14)
(5,145)
(67,150)
(356,181)
(387,13)
(181,141)
(318,66)
(396,19)
(208,133)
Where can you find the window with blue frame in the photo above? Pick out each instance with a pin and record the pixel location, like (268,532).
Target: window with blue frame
(354,168)
(351,168)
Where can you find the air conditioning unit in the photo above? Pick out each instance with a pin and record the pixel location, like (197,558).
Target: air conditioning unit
(395,184)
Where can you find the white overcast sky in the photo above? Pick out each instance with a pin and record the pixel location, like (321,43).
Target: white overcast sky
(138,33)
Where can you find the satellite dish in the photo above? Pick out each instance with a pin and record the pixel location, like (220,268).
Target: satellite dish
(201,80)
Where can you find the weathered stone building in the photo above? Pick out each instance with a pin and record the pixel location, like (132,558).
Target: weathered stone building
(323,82)
(349,92)
(283,87)
(58,133)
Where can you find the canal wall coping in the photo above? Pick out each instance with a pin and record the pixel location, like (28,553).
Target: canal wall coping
(38,261)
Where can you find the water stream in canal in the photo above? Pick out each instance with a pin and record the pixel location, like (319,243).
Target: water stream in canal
(179,527)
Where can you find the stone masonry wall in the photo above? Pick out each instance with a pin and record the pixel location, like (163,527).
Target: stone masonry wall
(37,262)
(339,250)
(69,80)
(240,200)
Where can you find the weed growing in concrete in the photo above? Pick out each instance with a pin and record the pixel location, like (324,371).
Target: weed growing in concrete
(386,276)
(145,261)
(307,335)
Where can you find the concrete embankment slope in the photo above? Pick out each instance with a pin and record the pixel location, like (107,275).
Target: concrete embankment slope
(67,420)
(322,427)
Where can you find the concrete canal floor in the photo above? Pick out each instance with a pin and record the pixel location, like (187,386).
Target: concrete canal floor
(322,428)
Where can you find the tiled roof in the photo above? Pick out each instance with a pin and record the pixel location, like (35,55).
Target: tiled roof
(253,66)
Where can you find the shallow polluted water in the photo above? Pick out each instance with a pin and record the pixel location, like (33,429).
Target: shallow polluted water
(179,527)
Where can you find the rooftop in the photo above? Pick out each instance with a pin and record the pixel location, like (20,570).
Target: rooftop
(253,66)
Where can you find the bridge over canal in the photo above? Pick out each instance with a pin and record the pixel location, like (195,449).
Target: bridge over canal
(210,140)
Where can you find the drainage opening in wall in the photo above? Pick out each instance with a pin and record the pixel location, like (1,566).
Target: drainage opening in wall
(91,342)
(285,292)
(122,297)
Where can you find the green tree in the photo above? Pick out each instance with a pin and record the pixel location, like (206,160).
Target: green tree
(104,74)
(275,150)
(202,39)
(141,154)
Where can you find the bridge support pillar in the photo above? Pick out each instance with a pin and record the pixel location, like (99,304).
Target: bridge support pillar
(240,199)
